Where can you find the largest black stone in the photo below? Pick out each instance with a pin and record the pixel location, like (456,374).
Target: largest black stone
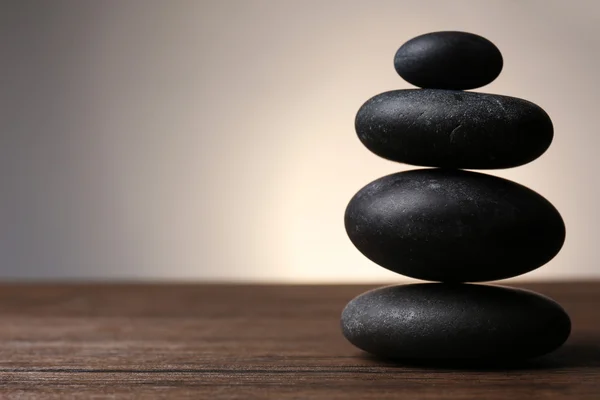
(446,321)
(453,226)
(453,129)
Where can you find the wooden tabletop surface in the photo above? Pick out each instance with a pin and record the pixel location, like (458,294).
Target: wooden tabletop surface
(250,342)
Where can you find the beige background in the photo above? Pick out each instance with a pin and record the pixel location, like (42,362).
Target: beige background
(214,140)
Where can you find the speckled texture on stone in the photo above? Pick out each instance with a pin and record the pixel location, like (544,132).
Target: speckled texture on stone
(454,321)
(453,129)
(448,60)
(453,225)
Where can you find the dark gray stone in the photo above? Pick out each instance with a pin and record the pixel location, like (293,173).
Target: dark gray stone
(452,129)
(453,225)
(454,321)
(448,60)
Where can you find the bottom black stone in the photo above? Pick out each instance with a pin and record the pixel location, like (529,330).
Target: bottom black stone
(455,321)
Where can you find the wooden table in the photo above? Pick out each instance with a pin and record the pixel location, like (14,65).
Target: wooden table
(250,342)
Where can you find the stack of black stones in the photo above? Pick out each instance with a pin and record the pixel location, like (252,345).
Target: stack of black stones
(452,226)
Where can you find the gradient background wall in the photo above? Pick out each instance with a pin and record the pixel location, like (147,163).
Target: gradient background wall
(214,140)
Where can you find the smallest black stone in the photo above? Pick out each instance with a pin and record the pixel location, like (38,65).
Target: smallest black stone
(448,60)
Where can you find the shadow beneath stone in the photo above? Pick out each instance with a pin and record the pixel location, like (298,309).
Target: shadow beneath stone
(579,354)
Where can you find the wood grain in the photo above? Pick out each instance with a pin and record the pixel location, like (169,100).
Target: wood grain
(250,342)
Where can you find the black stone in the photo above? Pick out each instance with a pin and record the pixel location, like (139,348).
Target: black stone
(454,321)
(453,225)
(453,129)
(448,60)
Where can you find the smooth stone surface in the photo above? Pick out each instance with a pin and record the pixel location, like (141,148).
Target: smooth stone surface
(452,129)
(448,60)
(454,321)
(453,225)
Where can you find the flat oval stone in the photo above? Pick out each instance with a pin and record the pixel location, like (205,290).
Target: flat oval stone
(453,225)
(448,60)
(455,321)
(452,129)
